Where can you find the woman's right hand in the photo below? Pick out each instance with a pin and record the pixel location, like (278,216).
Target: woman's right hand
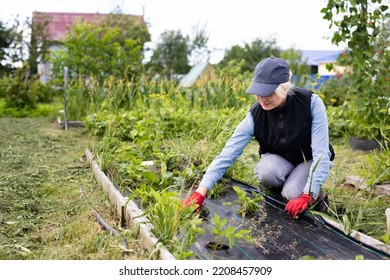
(196,198)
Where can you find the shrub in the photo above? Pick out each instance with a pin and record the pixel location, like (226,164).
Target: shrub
(17,92)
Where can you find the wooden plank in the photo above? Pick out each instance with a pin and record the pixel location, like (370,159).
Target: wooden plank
(383,189)
(134,216)
(357,182)
(61,124)
(360,236)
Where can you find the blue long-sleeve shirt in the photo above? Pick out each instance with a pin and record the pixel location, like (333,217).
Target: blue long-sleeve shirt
(244,133)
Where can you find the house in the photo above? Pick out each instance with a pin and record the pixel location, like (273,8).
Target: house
(318,60)
(58,24)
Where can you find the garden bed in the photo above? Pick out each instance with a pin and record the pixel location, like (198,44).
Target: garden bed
(132,214)
(275,235)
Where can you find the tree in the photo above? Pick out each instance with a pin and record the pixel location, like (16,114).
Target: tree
(299,69)
(39,43)
(198,41)
(5,42)
(131,27)
(98,50)
(171,55)
(361,26)
(14,48)
(251,53)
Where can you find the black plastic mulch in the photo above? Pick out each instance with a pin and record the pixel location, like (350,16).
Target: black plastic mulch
(276,236)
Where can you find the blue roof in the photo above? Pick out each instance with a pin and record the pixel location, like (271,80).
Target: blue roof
(318,57)
(194,74)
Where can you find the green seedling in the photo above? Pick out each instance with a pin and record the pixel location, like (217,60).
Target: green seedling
(248,206)
(223,234)
(176,228)
(219,189)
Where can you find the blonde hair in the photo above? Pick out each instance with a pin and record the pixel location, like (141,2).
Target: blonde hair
(283,89)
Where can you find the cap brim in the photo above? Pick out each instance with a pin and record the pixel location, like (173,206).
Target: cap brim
(261,89)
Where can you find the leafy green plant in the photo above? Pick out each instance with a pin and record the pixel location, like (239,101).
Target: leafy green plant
(248,206)
(175,227)
(333,92)
(376,166)
(338,121)
(17,92)
(219,189)
(386,237)
(224,234)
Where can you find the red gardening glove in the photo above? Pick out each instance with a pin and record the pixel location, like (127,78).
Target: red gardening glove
(298,205)
(194,199)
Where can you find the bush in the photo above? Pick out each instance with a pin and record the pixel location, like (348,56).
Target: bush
(376,167)
(4,82)
(42,92)
(334,91)
(17,94)
(337,121)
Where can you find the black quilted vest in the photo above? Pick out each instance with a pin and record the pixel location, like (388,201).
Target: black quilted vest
(286,131)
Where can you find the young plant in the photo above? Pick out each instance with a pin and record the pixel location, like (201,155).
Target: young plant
(219,189)
(223,234)
(176,228)
(248,206)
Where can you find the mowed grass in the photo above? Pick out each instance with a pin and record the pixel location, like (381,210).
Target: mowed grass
(43,214)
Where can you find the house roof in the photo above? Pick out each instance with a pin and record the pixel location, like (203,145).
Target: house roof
(313,57)
(194,73)
(60,23)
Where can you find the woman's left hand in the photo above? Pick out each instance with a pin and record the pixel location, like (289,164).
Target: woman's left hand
(298,205)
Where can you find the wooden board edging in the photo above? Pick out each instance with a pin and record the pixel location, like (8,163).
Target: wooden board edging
(134,216)
(357,182)
(361,237)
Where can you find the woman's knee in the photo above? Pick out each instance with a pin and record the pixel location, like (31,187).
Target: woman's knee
(272,170)
(291,193)
(270,179)
(296,181)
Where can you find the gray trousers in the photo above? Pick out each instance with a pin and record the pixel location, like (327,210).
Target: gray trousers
(277,174)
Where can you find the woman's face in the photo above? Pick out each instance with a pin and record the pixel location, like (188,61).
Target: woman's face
(271,101)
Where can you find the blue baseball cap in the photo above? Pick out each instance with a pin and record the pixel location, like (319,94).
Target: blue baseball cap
(269,74)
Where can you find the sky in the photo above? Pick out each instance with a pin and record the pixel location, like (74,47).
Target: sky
(292,23)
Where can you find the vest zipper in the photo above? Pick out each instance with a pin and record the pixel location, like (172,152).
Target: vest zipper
(282,131)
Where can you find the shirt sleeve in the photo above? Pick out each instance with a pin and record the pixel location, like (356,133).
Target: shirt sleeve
(319,169)
(232,150)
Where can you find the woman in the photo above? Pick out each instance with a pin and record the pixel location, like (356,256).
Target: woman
(291,127)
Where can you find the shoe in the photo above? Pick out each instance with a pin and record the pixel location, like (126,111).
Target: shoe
(322,202)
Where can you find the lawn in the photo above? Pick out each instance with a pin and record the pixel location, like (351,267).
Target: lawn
(43,214)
